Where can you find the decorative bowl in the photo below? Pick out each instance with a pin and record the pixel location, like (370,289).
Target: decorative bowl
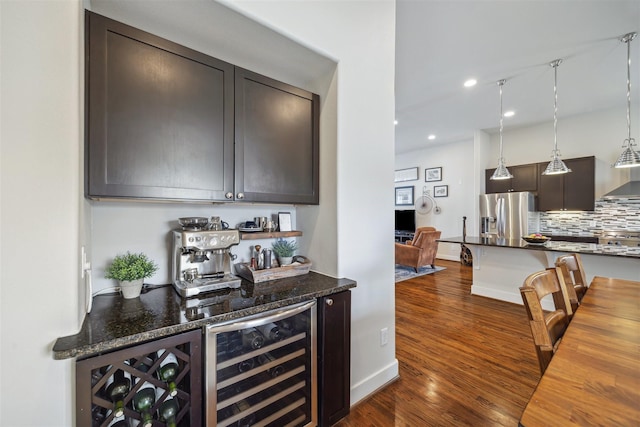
(536,240)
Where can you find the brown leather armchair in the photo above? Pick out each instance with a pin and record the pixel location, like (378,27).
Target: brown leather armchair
(419,251)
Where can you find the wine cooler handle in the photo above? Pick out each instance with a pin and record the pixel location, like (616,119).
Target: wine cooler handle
(261,318)
(329,301)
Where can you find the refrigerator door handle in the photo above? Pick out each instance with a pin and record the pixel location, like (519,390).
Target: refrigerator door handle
(500,217)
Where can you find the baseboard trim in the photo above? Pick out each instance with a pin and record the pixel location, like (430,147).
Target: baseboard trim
(374,382)
(506,296)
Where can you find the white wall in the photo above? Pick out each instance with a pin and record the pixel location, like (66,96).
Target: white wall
(457,162)
(39,195)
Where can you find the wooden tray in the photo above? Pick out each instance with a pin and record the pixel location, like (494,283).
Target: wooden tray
(299,267)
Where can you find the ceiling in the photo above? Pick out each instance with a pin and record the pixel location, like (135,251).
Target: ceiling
(440,44)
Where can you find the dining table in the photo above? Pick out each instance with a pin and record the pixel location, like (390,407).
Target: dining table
(594,376)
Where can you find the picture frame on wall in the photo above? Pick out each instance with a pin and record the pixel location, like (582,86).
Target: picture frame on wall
(433,174)
(409,174)
(404,196)
(440,191)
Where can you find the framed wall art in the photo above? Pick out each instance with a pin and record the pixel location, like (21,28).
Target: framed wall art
(433,174)
(410,174)
(404,196)
(284,220)
(440,191)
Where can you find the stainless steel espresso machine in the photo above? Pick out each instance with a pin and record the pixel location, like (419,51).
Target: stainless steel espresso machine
(202,257)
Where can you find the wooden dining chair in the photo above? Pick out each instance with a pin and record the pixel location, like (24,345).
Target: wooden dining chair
(573,274)
(547,327)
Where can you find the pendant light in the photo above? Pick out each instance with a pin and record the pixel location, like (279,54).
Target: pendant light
(556,166)
(630,157)
(501,171)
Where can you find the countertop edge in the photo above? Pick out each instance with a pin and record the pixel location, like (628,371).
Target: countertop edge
(66,347)
(492,243)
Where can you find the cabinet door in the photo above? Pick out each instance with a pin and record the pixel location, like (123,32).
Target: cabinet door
(550,191)
(334,357)
(159,117)
(525,177)
(495,186)
(573,191)
(579,185)
(276,136)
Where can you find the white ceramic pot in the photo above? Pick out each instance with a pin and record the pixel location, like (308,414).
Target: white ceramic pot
(131,288)
(285,260)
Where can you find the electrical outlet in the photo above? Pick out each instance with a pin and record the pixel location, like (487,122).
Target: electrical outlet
(384,336)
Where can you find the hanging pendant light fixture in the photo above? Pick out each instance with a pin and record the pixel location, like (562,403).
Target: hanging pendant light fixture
(556,166)
(501,171)
(630,157)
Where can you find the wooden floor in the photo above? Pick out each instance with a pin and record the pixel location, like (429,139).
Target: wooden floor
(464,360)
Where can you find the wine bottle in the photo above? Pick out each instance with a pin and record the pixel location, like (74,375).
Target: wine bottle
(117,387)
(252,339)
(168,410)
(286,327)
(168,371)
(144,399)
(242,406)
(270,331)
(274,371)
(246,365)
(117,421)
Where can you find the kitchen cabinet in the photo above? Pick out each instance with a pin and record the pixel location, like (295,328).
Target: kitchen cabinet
(276,136)
(159,117)
(167,122)
(525,178)
(573,191)
(334,357)
(140,365)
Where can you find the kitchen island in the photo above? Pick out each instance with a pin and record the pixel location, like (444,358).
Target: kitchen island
(501,265)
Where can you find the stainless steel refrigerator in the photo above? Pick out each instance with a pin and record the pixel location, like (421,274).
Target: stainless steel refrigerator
(508,215)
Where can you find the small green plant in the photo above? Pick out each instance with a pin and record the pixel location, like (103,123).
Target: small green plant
(130,267)
(284,248)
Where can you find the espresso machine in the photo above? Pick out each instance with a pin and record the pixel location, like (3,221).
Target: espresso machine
(201,258)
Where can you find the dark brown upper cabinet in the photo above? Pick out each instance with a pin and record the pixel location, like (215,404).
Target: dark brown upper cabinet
(170,123)
(277,141)
(159,117)
(573,191)
(525,178)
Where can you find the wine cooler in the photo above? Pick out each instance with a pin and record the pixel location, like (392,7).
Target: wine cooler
(261,370)
(148,385)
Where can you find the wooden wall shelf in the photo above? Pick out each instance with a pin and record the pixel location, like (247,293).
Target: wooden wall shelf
(268,234)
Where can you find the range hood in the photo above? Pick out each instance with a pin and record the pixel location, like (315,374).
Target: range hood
(630,190)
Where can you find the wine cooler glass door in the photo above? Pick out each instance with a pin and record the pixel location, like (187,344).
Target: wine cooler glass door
(261,370)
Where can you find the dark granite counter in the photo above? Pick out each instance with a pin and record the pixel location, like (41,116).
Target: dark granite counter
(116,322)
(551,245)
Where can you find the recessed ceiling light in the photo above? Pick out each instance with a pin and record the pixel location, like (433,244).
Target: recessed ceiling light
(431,137)
(470,83)
(509,113)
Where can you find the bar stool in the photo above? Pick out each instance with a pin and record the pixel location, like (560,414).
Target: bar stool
(547,328)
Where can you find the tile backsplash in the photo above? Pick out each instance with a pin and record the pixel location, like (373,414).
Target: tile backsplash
(621,214)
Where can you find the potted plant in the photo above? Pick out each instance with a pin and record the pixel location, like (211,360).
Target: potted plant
(130,270)
(284,250)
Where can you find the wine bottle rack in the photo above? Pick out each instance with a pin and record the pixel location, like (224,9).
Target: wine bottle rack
(271,385)
(93,406)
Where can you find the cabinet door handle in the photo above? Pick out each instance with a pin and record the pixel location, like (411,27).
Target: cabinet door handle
(329,301)
(240,196)
(229,195)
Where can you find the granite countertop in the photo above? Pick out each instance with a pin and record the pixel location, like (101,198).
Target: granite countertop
(551,245)
(116,322)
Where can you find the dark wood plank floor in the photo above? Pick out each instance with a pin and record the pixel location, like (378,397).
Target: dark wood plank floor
(464,360)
